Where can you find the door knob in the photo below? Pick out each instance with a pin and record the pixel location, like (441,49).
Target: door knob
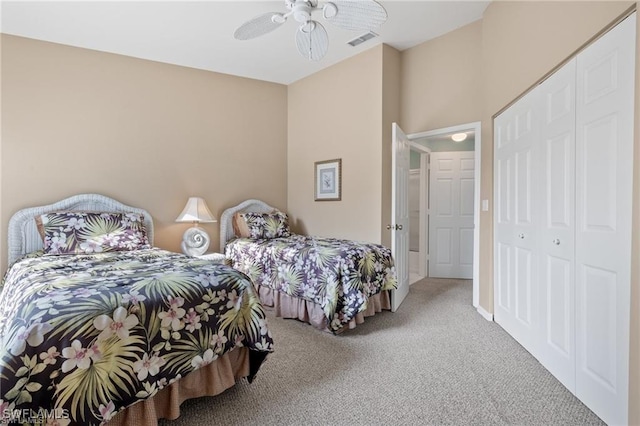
(388,226)
(521,236)
(556,242)
(399,227)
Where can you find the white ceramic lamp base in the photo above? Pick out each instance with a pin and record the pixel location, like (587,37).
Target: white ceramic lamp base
(195,241)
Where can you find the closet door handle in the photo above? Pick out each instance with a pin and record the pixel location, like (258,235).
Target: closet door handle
(556,241)
(521,236)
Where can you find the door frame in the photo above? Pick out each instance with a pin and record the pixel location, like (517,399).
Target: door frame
(476,127)
(423,230)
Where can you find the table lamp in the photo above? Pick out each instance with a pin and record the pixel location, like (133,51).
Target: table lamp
(195,240)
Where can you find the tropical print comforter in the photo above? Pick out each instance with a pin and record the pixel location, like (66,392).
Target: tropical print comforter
(339,275)
(83,336)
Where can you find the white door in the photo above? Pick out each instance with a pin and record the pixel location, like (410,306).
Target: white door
(451,213)
(515,260)
(604,170)
(556,280)
(400,213)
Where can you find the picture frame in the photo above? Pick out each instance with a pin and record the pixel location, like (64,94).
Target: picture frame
(328,180)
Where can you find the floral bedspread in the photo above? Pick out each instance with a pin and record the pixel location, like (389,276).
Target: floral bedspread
(83,336)
(339,275)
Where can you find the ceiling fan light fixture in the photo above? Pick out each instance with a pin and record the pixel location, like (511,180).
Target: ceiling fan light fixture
(302,11)
(458,137)
(311,38)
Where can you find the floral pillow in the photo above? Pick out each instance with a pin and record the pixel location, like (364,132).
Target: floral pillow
(69,232)
(261,225)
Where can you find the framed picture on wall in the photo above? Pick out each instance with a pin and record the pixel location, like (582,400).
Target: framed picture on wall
(328,180)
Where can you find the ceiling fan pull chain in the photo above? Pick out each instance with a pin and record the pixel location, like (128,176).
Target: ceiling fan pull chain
(310,52)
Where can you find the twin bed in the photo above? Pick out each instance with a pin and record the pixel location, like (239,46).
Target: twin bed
(98,326)
(333,284)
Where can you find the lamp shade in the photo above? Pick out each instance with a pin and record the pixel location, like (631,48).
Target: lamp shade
(196,211)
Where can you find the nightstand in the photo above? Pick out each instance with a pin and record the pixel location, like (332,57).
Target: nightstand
(215,257)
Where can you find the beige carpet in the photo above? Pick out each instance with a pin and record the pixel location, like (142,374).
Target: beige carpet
(435,361)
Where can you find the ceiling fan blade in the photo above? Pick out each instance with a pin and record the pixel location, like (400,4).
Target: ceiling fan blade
(312,40)
(259,25)
(355,15)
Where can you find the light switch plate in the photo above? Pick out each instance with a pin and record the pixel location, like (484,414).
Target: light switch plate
(485,205)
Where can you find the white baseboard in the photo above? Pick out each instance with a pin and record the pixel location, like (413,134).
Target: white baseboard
(486,315)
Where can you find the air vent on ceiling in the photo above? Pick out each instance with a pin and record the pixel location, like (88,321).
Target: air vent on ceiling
(362,38)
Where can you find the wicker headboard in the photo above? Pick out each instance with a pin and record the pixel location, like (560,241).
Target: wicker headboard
(226,226)
(24,237)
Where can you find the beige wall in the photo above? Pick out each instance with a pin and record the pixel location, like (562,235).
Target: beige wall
(442,81)
(145,133)
(337,113)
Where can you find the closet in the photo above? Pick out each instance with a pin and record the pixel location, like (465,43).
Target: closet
(562,221)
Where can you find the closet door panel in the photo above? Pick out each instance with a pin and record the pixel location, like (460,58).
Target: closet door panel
(604,170)
(524,286)
(503,294)
(559,308)
(559,180)
(516,298)
(599,331)
(557,211)
(504,234)
(598,163)
(523,186)
(504,197)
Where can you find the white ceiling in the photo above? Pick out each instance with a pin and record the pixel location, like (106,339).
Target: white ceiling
(199,34)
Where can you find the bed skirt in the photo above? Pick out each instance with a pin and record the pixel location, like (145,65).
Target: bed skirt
(209,380)
(286,306)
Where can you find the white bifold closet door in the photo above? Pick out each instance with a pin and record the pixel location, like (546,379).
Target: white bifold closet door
(563,189)
(556,228)
(604,173)
(515,238)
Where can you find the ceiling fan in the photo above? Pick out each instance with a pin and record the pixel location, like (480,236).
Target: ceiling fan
(311,37)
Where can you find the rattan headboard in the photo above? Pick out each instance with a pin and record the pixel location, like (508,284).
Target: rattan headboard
(23,235)
(226,226)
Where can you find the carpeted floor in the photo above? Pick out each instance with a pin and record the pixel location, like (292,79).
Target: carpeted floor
(434,362)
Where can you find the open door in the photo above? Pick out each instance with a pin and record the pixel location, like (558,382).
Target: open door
(400,213)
